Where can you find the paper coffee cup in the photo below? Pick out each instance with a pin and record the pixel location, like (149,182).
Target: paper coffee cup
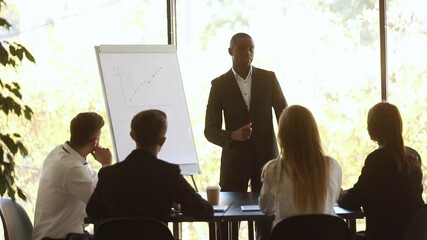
(213,194)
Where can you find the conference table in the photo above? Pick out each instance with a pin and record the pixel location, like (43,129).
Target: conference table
(233,202)
(229,211)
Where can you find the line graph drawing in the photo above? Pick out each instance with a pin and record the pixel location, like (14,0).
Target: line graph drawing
(132,87)
(153,76)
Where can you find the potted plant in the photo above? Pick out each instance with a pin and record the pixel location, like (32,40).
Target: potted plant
(11,104)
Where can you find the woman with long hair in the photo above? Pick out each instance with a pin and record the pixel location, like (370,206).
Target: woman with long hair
(302,179)
(389,187)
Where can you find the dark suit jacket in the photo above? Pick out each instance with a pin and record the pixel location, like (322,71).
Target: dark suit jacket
(145,186)
(225,98)
(389,198)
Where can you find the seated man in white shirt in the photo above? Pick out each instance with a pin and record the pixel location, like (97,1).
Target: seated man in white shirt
(67,181)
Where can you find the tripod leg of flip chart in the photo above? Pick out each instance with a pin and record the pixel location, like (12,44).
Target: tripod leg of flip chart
(194,183)
(177,230)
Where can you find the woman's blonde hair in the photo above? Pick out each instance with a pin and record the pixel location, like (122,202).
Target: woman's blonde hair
(301,156)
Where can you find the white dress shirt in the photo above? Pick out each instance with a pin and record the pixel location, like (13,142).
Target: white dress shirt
(279,199)
(245,86)
(66,184)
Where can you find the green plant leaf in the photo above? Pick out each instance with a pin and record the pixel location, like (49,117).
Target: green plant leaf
(8,178)
(16,90)
(2,184)
(29,56)
(20,53)
(28,112)
(6,104)
(8,87)
(4,55)
(2,103)
(22,149)
(21,194)
(11,193)
(11,54)
(11,162)
(17,93)
(16,85)
(4,23)
(7,167)
(13,148)
(11,62)
(17,109)
(12,50)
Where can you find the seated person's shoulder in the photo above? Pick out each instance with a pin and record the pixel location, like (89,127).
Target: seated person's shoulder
(166,166)
(413,153)
(270,165)
(333,162)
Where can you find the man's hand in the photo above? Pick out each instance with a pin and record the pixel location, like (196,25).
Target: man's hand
(176,206)
(102,155)
(243,133)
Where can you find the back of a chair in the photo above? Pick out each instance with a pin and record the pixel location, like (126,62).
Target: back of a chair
(132,228)
(311,226)
(16,223)
(417,228)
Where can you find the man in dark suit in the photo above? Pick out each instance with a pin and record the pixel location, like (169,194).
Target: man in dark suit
(143,185)
(244,96)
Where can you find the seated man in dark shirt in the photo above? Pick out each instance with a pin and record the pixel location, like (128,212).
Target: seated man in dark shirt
(143,185)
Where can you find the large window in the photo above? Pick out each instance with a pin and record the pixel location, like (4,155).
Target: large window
(65,81)
(407,55)
(326,55)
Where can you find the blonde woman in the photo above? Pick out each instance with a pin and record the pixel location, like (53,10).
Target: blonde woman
(302,180)
(390,186)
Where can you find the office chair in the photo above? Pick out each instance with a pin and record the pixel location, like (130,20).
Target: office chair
(311,226)
(417,228)
(132,228)
(16,223)
(72,236)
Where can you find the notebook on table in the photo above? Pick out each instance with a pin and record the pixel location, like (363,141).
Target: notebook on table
(220,208)
(250,208)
